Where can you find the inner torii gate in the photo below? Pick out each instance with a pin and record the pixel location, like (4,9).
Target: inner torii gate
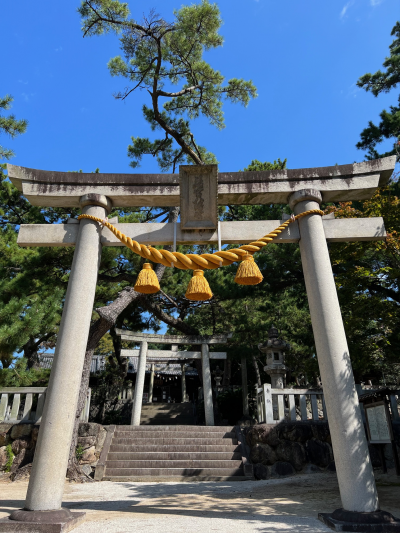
(96,194)
(144,338)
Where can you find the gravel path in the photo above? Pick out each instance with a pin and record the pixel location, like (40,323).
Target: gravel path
(248,506)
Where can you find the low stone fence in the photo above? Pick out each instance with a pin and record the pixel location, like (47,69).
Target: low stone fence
(290,447)
(22,403)
(277,405)
(26,404)
(18,442)
(126,392)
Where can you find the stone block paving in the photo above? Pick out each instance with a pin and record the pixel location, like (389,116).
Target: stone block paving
(288,504)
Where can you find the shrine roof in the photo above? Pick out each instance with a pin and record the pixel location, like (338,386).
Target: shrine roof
(376,394)
(356,181)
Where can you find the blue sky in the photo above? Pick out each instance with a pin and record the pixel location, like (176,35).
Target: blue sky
(304,56)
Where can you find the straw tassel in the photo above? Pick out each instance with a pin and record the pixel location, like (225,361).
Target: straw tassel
(198,288)
(147,281)
(248,272)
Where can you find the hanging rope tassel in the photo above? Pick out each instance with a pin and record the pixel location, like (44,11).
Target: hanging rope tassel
(248,272)
(198,288)
(147,281)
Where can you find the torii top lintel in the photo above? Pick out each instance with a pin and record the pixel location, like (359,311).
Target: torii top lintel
(357,181)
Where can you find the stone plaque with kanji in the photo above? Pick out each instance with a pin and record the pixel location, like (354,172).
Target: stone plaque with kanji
(198,196)
(378,423)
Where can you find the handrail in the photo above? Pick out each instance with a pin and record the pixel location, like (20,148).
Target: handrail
(276,405)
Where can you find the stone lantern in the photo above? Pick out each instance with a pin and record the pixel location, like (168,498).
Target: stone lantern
(218,375)
(275,348)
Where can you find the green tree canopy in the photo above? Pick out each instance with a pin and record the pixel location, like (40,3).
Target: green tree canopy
(9,125)
(383,82)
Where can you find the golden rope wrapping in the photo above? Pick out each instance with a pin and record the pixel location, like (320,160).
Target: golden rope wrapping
(195,261)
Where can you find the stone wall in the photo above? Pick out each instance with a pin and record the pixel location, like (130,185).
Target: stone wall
(91,439)
(21,439)
(288,448)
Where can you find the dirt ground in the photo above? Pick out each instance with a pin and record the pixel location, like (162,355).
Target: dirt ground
(249,506)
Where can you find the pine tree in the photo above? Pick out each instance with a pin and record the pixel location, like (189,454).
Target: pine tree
(10,125)
(383,82)
(158,55)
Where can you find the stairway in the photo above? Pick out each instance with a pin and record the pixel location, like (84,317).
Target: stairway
(174,453)
(167,414)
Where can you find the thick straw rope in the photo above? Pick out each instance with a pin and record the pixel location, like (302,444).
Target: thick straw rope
(202,261)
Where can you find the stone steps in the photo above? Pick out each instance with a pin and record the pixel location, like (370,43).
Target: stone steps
(166,440)
(162,453)
(180,428)
(168,463)
(173,456)
(184,478)
(172,472)
(143,435)
(160,448)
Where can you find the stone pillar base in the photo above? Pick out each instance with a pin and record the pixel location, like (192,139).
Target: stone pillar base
(377,522)
(23,521)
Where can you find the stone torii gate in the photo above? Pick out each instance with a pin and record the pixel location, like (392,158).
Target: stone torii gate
(96,194)
(174,354)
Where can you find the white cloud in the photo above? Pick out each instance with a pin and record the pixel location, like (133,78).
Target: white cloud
(375,3)
(59,49)
(352,91)
(27,96)
(346,7)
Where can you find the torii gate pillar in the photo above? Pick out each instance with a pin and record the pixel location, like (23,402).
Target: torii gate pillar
(353,464)
(46,483)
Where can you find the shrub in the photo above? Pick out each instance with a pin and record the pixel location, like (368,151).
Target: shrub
(10,458)
(79,452)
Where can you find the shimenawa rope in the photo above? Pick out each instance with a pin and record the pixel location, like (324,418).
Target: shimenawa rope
(198,289)
(196,261)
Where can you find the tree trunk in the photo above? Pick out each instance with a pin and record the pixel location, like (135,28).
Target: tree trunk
(31,350)
(123,362)
(255,363)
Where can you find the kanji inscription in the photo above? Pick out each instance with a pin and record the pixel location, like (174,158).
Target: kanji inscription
(198,196)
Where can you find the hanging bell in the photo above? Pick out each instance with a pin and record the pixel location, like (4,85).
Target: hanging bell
(147,281)
(248,272)
(198,288)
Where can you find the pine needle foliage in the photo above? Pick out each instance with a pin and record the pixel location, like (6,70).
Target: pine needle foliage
(9,125)
(165,59)
(384,82)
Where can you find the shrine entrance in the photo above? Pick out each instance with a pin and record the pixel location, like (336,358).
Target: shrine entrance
(174,356)
(198,190)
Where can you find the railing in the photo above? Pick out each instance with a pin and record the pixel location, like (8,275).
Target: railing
(25,404)
(23,400)
(276,405)
(126,393)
